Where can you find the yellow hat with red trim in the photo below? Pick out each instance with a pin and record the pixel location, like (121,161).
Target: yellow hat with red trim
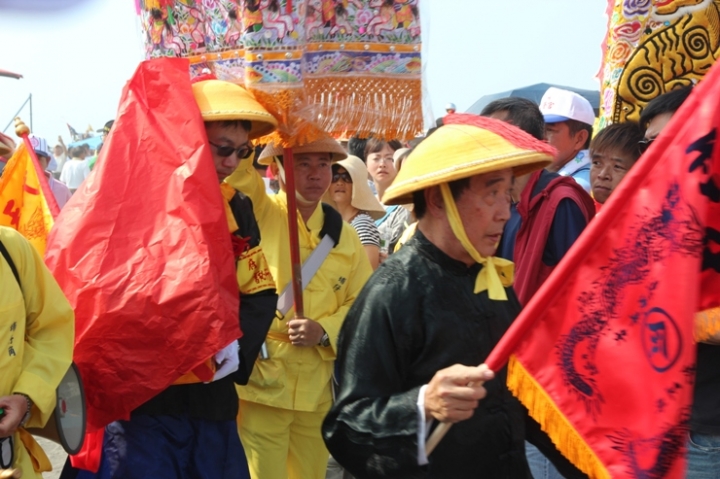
(467,145)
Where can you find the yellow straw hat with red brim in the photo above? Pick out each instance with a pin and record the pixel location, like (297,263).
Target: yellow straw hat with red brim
(324,144)
(221,100)
(7,145)
(467,145)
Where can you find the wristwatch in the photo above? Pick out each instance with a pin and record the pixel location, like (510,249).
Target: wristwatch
(26,417)
(325,340)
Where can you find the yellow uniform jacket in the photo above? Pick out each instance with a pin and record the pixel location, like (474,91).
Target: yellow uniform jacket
(298,378)
(37,328)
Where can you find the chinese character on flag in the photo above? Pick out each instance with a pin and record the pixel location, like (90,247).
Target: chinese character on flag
(607,356)
(23,205)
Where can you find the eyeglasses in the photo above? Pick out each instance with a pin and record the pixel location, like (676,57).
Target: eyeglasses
(345,177)
(644,144)
(225,151)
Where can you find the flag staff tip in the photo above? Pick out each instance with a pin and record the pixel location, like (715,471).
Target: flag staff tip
(21,129)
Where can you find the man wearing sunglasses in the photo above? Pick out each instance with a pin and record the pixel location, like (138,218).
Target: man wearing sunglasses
(189,430)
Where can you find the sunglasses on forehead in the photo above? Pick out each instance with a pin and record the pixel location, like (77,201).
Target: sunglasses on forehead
(344,177)
(225,151)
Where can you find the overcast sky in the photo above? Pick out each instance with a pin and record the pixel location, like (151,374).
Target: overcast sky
(76,61)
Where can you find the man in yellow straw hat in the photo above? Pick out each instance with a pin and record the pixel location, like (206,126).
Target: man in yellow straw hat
(189,430)
(289,393)
(411,343)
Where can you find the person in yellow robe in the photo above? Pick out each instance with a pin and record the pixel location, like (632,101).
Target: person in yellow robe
(289,392)
(37,329)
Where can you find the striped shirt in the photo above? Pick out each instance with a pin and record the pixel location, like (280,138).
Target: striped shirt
(366,229)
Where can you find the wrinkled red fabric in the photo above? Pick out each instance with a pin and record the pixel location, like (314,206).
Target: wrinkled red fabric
(608,337)
(142,250)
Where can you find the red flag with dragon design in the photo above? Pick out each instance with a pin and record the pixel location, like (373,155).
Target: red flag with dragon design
(608,356)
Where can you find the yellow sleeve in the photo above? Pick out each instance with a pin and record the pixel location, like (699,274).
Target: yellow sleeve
(360,272)
(49,329)
(248,181)
(253,272)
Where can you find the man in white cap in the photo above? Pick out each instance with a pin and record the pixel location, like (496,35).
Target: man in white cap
(569,121)
(289,393)
(411,343)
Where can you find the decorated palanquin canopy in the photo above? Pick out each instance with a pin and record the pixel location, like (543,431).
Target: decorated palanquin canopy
(343,66)
(652,47)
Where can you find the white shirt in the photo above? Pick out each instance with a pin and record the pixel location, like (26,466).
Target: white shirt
(579,169)
(57,162)
(74,173)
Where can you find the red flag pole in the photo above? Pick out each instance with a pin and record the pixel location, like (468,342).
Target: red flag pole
(289,166)
(23,131)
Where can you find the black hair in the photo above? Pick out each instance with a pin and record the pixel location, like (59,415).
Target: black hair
(522,113)
(456,188)
(356,147)
(668,102)
(244,124)
(626,137)
(577,126)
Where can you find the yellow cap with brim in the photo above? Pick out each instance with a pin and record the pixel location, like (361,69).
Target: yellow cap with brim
(325,144)
(467,145)
(221,100)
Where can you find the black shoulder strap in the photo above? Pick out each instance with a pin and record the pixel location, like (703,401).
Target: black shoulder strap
(10,262)
(242,209)
(332,225)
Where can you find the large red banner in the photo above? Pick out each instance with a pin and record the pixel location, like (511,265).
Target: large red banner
(607,365)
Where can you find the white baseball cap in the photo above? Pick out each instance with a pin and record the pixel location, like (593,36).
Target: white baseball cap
(562,105)
(40,146)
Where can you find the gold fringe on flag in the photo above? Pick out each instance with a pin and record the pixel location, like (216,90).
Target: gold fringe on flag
(707,324)
(552,421)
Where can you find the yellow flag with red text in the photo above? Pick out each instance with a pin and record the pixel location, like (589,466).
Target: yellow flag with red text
(22,203)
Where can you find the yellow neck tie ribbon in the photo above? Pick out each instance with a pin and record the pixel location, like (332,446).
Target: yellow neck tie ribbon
(228,192)
(496,273)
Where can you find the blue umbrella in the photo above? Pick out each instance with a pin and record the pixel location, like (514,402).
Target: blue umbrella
(535,93)
(93,142)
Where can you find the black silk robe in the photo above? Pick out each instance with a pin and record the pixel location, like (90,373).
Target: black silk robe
(416,315)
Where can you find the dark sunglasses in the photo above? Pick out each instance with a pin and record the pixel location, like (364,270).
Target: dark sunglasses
(644,144)
(225,151)
(345,177)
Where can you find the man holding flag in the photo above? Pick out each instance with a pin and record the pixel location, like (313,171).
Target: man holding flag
(289,393)
(411,343)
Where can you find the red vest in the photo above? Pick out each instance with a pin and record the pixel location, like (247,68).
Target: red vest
(537,213)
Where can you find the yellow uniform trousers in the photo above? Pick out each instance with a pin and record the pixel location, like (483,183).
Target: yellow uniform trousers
(282,443)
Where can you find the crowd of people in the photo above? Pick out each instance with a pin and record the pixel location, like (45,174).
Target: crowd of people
(65,168)
(410,288)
